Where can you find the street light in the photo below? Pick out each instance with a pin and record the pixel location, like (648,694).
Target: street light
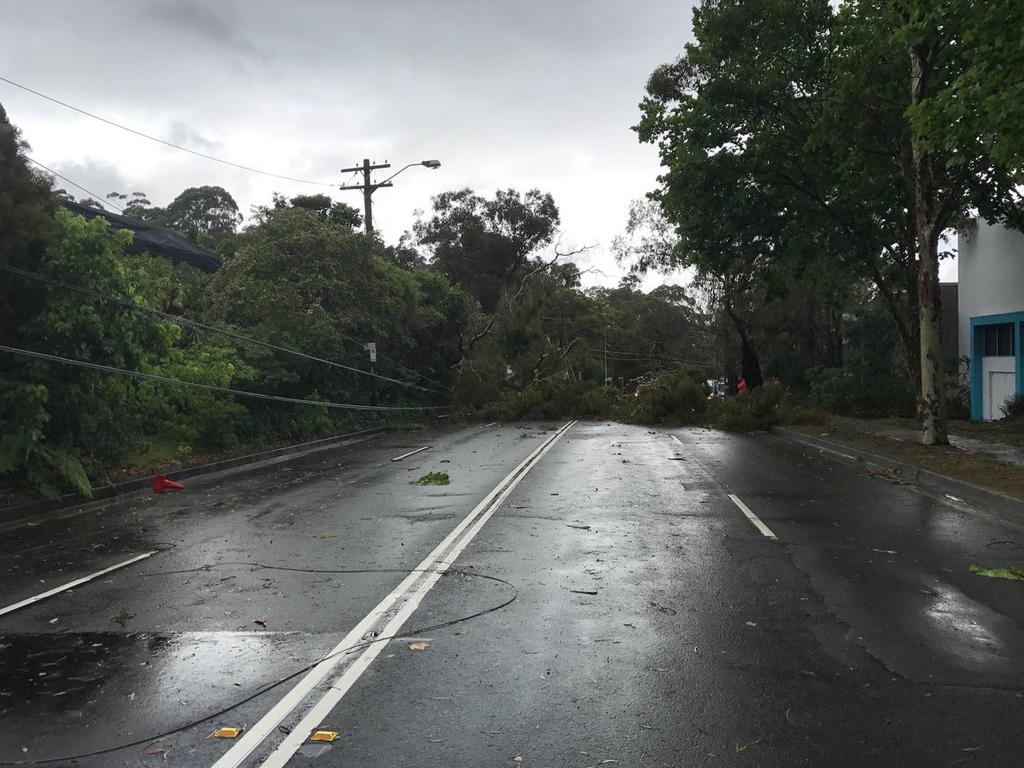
(433,164)
(368,187)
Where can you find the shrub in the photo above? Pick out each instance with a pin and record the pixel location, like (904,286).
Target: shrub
(860,393)
(599,403)
(47,470)
(1013,408)
(669,396)
(540,400)
(755,410)
(958,390)
(802,414)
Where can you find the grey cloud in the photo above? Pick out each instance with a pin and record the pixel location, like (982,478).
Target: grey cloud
(218,22)
(523,93)
(97,176)
(179,133)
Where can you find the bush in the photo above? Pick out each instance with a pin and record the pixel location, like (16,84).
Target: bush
(802,414)
(599,403)
(42,468)
(958,390)
(1013,408)
(754,410)
(855,393)
(540,400)
(669,396)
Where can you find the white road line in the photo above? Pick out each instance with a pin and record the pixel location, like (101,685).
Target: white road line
(72,584)
(411,453)
(833,451)
(454,543)
(764,529)
(676,439)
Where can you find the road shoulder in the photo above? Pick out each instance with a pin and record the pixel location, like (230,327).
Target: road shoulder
(999,493)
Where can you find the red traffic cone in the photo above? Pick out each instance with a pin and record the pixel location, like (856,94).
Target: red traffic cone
(161,484)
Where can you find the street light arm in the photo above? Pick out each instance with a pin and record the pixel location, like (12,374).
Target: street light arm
(425,163)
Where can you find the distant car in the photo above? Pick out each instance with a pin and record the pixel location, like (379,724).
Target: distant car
(717,388)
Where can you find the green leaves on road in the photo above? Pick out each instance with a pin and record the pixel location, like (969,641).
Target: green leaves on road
(1012,574)
(434,478)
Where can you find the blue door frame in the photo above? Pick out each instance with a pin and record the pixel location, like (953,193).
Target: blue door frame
(977,341)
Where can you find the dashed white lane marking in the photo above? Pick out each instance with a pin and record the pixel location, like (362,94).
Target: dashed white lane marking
(72,584)
(412,453)
(401,602)
(764,529)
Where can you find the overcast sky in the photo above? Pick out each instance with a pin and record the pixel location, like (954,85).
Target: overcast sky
(509,93)
(506,93)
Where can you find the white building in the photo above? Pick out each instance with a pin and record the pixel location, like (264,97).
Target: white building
(991,314)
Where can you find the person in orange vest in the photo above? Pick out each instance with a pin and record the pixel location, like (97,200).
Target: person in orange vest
(741,385)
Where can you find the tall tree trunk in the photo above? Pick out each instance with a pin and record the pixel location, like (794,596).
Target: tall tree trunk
(750,363)
(931,400)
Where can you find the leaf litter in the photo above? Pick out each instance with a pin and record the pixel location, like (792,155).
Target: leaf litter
(434,478)
(1010,574)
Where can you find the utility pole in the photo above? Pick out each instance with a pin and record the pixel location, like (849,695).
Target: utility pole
(606,355)
(371,348)
(368,188)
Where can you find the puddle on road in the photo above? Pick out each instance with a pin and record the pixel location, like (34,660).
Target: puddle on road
(964,629)
(115,682)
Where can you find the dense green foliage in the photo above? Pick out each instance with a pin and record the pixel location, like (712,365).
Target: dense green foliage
(815,155)
(476,312)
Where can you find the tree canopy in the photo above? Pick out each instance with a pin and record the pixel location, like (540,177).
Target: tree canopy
(801,141)
(483,244)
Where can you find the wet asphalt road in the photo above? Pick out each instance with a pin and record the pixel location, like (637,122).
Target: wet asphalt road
(653,625)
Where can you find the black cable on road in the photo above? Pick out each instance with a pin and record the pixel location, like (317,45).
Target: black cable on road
(185,322)
(211,387)
(163,141)
(270,686)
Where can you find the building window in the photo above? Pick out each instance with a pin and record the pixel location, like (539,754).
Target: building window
(999,340)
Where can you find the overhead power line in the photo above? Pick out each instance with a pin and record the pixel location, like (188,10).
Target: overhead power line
(198,325)
(397,364)
(211,387)
(166,143)
(96,197)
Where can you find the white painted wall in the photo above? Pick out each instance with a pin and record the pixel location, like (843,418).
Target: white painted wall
(991,275)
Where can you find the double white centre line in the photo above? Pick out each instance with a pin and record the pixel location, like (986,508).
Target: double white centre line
(386,618)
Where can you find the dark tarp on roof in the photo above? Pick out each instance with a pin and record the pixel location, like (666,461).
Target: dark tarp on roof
(156,240)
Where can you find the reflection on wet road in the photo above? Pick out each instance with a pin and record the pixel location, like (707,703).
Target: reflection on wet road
(655,622)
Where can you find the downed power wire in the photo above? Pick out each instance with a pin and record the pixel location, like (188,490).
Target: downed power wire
(281,681)
(212,387)
(185,322)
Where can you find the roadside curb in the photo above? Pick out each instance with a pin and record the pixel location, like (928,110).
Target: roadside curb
(238,465)
(947,486)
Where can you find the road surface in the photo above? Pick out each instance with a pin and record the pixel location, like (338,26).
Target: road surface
(585,594)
